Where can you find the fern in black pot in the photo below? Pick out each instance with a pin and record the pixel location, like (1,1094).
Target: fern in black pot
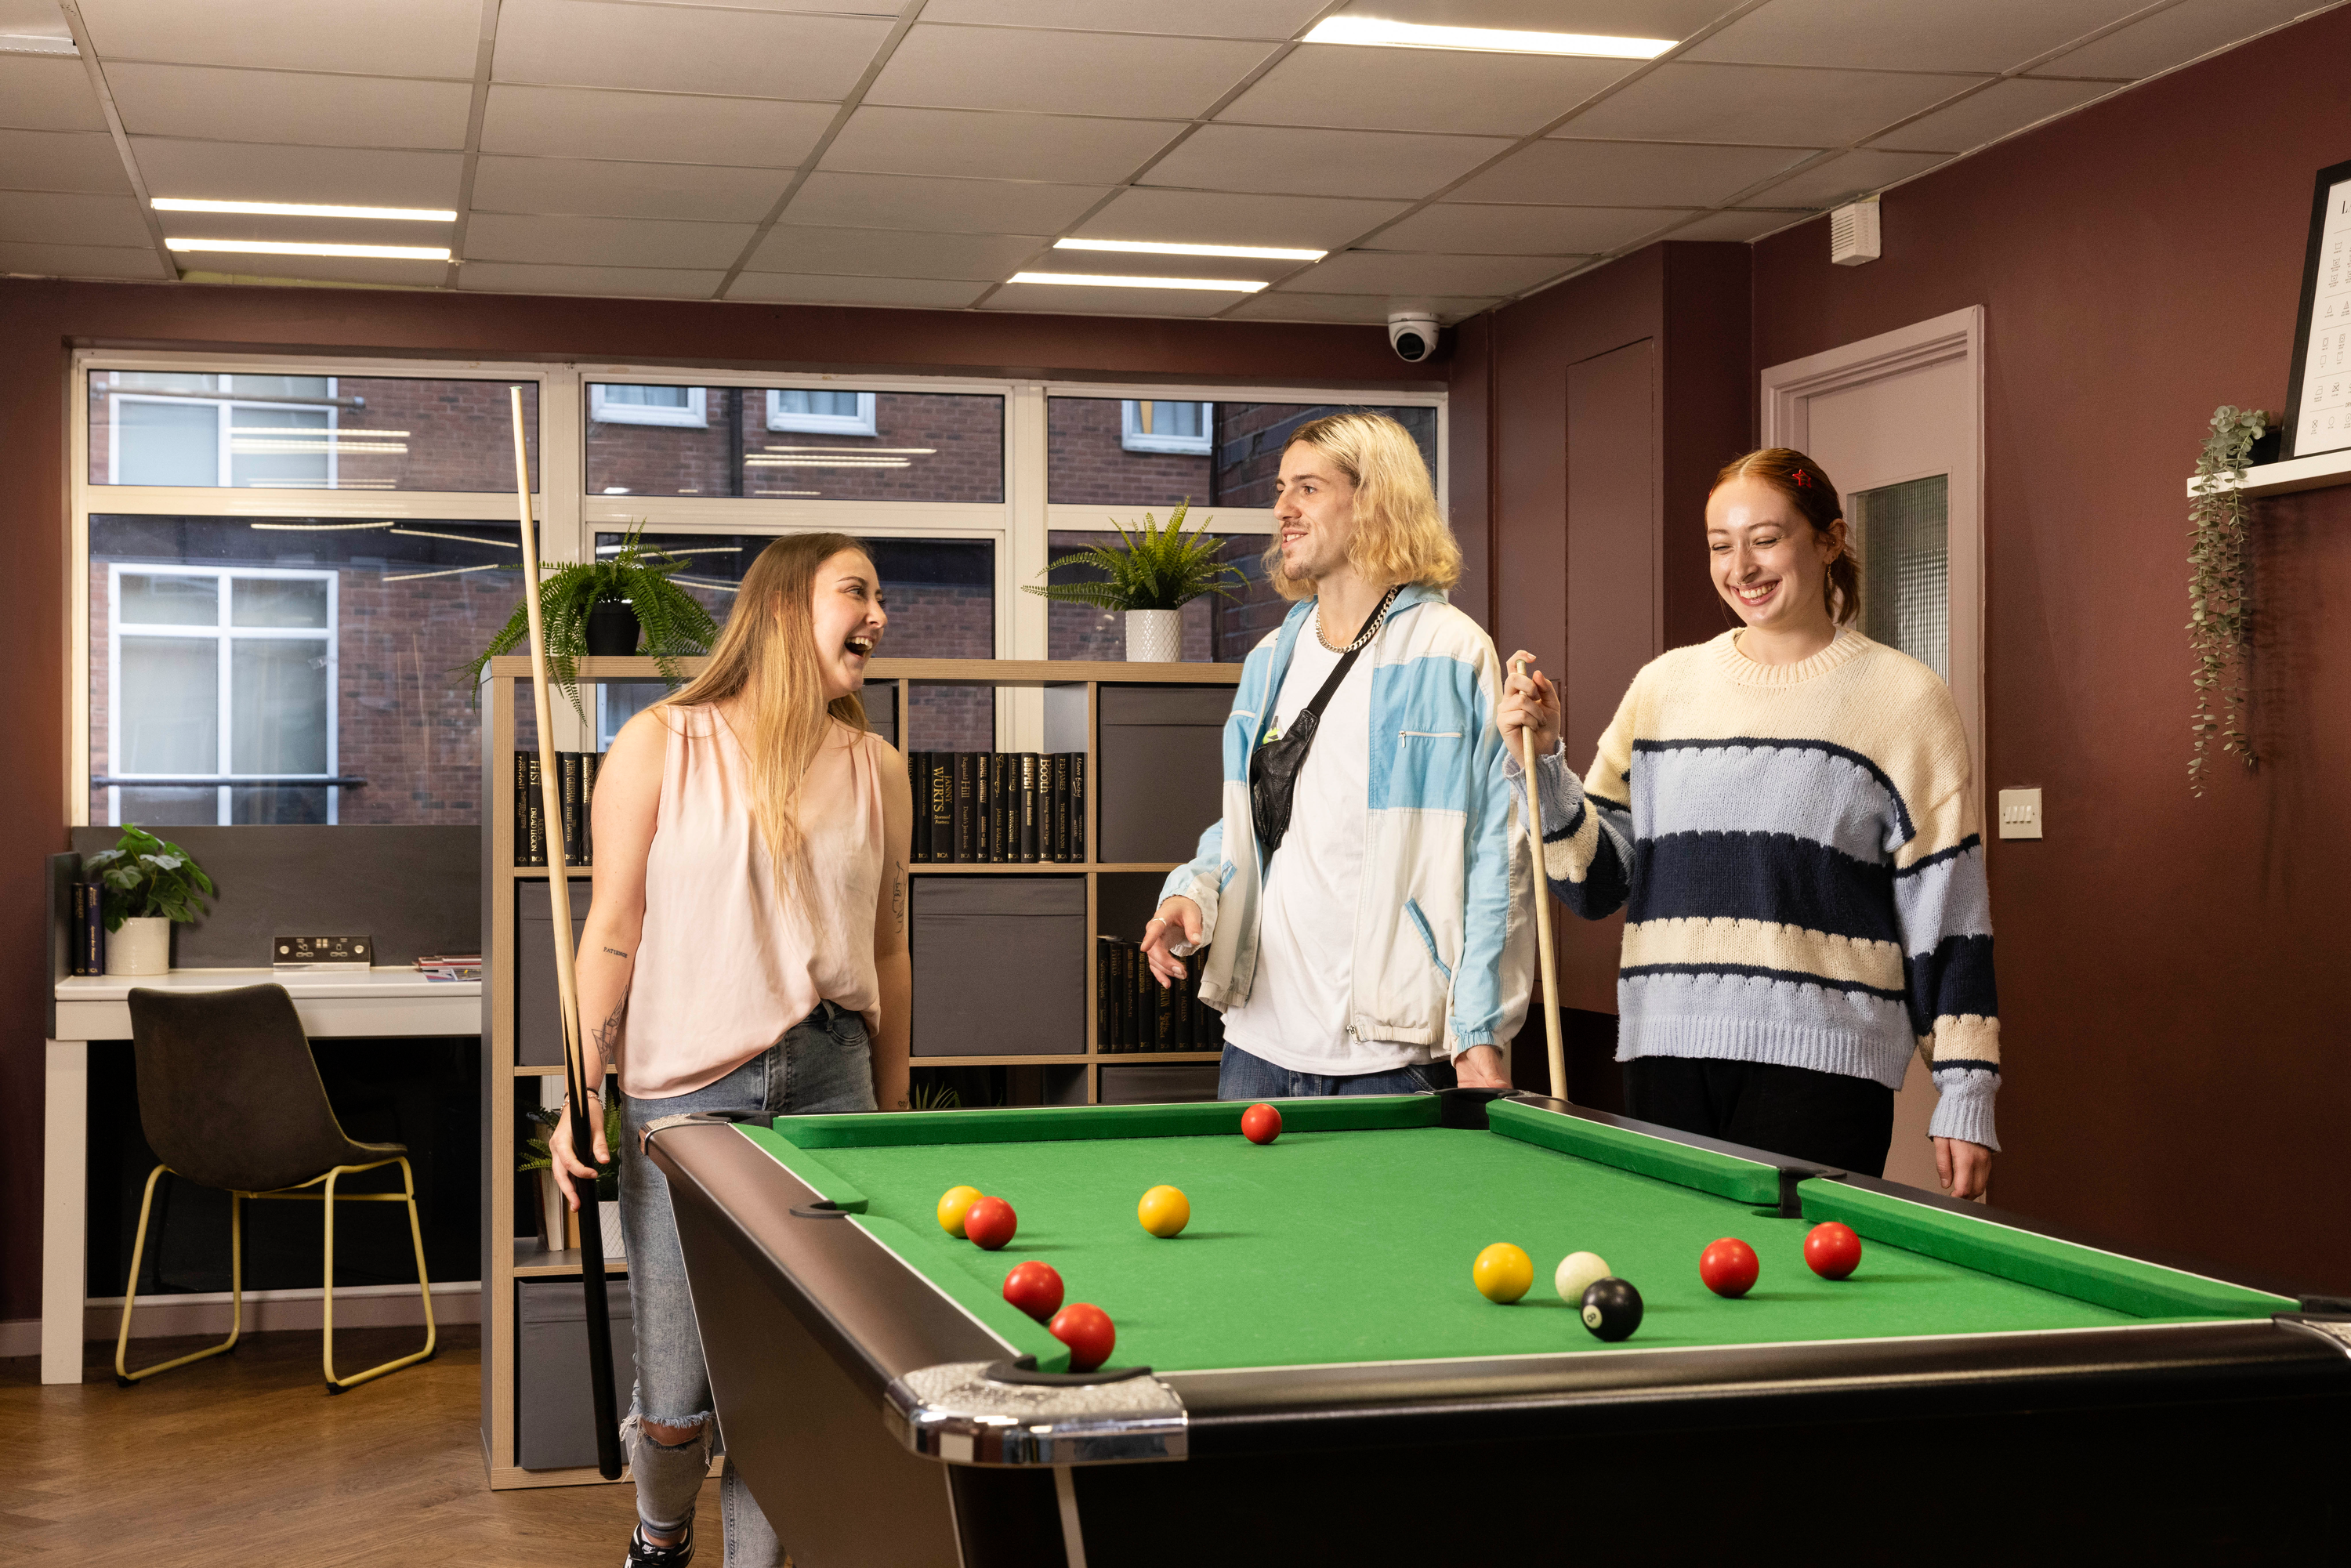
(603,608)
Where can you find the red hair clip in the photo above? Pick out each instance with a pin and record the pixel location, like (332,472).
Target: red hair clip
(1802,480)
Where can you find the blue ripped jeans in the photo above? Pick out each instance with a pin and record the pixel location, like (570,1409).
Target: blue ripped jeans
(1241,1076)
(824,1063)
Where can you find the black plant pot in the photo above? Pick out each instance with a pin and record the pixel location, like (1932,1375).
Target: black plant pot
(613,629)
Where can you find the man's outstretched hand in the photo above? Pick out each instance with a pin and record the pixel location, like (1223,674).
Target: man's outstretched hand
(1178,921)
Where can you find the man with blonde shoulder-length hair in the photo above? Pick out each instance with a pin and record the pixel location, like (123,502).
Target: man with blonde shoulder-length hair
(1359,898)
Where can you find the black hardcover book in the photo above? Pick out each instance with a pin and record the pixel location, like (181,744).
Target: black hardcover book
(983,806)
(1007,807)
(1105,1006)
(1139,1038)
(1031,808)
(966,803)
(75,937)
(522,808)
(567,787)
(534,802)
(938,793)
(1077,805)
(94,926)
(591,764)
(1179,1032)
(918,771)
(1162,1016)
(1123,982)
(1058,792)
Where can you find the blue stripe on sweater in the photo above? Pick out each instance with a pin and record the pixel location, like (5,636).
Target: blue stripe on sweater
(1812,792)
(1952,981)
(1826,748)
(1775,877)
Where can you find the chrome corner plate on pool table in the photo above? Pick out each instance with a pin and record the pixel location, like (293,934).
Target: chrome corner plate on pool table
(1310,1375)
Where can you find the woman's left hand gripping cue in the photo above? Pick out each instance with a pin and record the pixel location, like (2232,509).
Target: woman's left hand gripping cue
(1529,701)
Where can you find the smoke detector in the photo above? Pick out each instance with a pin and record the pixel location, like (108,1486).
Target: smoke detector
(1852,233)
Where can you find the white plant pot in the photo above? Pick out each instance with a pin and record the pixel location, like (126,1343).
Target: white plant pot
(144,947)
(1154,636)
(552,1211)
(608,1220)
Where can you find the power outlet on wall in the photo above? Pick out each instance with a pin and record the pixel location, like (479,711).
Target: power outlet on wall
(2020,813)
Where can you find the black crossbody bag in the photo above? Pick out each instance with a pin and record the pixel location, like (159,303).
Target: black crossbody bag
(1275,765)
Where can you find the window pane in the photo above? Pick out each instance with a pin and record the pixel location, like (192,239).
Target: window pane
(151,806)
(170,705)
(278,601)
(924,446)
(1216,630)
(278,805)
(1089,462)
(1904,537)
(172,600)
(343,432)
(278,705)
(648,396)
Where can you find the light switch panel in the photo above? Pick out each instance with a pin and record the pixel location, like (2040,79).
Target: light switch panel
(2020,813)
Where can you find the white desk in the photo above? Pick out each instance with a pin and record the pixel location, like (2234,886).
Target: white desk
(330,1003)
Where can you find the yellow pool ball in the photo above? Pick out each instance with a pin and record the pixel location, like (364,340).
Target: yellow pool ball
(1503,1272)
(953,1204)
(1164,1211)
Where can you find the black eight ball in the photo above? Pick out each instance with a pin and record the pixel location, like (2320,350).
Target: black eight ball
(1612,1308)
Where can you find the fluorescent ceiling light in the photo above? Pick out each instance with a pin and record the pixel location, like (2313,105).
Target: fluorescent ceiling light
(1153,247)
(276,248)
(37,44)
(1106,280)
(301,210)
(314,527)
(1372,30)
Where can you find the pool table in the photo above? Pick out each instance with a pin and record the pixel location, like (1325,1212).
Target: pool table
(1323,1381)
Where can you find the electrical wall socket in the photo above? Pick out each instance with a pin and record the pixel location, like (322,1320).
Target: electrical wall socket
(2020,813)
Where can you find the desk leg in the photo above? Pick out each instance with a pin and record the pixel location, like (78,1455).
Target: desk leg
(65,1201)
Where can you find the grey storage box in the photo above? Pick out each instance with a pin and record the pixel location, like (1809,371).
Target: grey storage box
(1160,770)
(999,966)
(555,1410)
(538,1020)
(1158,1083)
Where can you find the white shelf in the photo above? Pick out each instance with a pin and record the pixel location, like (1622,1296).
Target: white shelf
(2294,473)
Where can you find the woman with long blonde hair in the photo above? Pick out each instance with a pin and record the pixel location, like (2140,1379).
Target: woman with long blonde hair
(745,953)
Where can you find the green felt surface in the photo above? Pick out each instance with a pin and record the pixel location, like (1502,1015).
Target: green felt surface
(1345,1246)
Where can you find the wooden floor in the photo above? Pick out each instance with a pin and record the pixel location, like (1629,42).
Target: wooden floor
(245,1459)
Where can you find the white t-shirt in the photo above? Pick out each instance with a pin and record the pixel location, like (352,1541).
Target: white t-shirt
(1301,1001)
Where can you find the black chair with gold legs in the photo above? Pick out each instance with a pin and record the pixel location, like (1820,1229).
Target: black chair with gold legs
(230,1098)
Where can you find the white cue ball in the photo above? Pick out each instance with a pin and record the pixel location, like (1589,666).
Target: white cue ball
(1578,1271)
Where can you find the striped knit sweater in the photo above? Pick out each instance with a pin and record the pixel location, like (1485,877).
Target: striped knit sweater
(1796,849)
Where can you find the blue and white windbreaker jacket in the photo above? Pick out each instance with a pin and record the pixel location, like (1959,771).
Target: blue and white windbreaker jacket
(1444,950)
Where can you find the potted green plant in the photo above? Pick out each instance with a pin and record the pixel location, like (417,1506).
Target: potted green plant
(2220,590)
(1158,572)
(557,1225)
(601,608)
(149,884)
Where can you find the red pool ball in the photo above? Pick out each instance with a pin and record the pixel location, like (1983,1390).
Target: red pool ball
(1729,1267)
(990,1223)
(1260,1124)
(1087,1331)
(1035,1289)
(1833,1250)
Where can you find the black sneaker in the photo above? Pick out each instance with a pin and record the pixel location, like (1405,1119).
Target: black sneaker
(644,1555)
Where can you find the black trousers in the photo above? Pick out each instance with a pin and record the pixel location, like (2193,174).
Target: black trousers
(1826,1118)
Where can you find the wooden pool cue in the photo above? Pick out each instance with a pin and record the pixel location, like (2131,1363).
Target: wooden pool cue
(1543,910)
(567,986)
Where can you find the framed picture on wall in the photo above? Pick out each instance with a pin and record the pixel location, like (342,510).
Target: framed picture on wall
(2318,398)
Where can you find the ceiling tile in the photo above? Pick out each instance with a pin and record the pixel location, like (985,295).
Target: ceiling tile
(1839,179)
(614,282)
(808,288)
(656,127)
(2174,36)
(888,252)
(677,48)
(375,38)
(1613,19)
(1987,116)
(57,217)
(39,93)
(1320,163)
(1421,89)
(1366,309)
(1398,271)
(1774,105)
(1115,74)
(1194,18)
(81,261)
(1980,36)
(1626,173)
(222,105)
(1469,229)
(603,242)
(581,187)
(314,269)
(250,172)
(1740,223)
(940,207)
(1066,302)
(1209,217)
(62,160)
(973,144)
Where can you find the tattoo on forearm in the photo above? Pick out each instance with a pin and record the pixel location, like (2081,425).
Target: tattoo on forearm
(898,897)
(607,1033)
(616,952)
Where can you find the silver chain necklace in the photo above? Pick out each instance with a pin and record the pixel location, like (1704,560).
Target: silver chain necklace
(1379,618)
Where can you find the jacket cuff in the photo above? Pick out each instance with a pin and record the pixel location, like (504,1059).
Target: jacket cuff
(1511,768)
(1964,1108)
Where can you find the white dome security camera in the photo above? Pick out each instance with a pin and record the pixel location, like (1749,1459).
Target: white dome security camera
(1411,334)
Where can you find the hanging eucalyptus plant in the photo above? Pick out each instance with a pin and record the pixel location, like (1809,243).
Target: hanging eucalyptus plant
(2220,590)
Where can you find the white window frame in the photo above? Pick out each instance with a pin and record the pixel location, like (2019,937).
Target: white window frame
(694,416)
(1133,437)
(227,409)
(861,422)
(226,635)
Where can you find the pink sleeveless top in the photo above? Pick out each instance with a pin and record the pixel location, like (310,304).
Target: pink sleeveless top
(730,960)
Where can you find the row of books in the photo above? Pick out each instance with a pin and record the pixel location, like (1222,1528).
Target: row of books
(85,924)
(1133,1011)
(575,778)
(982,808)
(449,965)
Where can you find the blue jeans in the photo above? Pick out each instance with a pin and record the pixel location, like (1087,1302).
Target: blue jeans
(824,1063)
(1240,1076)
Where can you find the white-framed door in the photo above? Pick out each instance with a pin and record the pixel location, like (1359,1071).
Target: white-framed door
(1896,422)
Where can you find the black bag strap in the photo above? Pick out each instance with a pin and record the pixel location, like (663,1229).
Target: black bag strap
(1339,670)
